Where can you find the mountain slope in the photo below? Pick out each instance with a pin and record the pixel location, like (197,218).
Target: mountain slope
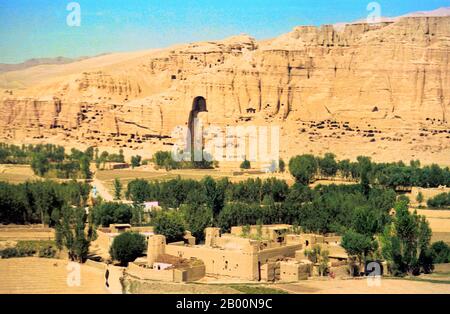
(380,90)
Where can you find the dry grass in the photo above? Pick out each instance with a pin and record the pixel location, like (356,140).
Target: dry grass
(362,286)
(26,233)
(441,236)
(17,173)
(41,276)
(439,222)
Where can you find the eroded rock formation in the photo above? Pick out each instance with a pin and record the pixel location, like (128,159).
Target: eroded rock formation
(381,90)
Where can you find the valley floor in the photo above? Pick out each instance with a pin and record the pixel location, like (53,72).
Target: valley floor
(363,286)
(34,275)
(49,276)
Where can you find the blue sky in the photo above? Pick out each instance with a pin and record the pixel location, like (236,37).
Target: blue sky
(38,28)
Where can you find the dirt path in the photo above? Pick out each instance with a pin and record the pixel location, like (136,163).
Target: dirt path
(102,190)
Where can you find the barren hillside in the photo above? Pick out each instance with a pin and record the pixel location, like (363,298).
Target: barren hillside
(379,90)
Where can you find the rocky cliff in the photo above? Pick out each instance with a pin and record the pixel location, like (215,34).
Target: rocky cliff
(381,90)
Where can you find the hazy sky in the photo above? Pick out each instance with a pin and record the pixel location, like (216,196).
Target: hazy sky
(38,28)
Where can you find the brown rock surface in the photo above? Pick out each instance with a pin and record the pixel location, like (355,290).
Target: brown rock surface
(379,90)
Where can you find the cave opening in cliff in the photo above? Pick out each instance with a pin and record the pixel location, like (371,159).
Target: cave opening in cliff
(196,143)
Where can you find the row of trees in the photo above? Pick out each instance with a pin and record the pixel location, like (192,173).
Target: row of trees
(54,162)
(404,241)
(439,201)
(13,154)
(62,206)
(164,160)
(40,201)
(102,158)
(173,193)
(306,167)
(106,213)
(360,212)
(48,157)
(49,160)
(74,231)
(222,203)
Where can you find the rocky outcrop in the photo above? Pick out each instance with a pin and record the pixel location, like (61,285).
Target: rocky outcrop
(364,89)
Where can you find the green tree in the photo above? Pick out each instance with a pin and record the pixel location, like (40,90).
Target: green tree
(419,198)
(121,156)
(85,167)
(198,218)
(70,232)
(345,168)
(137,214)
(364,168)
(303,168)
(328,165)
(318,256)
(439,201)
(136,161)
(103,159)
(89,152)
(440,252)
(39,164)
(245,231)
(117,189)
(14,204)
(281,166)
(171,224)
(406,242)
(96,154)
(214,193)
(365,221)
(239,214)
(127,246)
(164,159)
(358,245)
(139,191)
(44,199)
(108,213)
(403,198)
(245,164)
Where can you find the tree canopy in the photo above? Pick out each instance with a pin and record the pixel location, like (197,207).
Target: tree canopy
(127,246)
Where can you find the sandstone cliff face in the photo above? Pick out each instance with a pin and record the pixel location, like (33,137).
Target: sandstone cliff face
(380,90)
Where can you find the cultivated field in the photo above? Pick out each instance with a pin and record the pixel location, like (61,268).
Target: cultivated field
(361,286)
(47,276)
(39,276)
(16,173)
(439,222)
(26,233)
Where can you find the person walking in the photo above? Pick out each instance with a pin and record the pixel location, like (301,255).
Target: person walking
(107,276)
